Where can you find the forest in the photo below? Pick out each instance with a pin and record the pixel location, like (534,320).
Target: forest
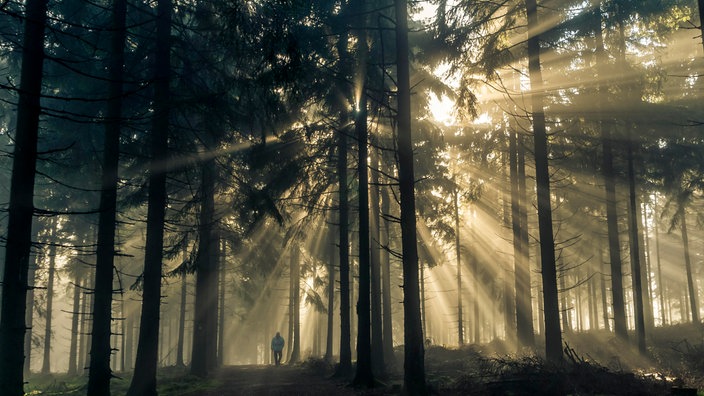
(470,197)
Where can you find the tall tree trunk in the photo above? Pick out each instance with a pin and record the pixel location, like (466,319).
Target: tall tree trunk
(221,304)
(363,375)
(20,208)
(661,285)
(205,330)
(700,4)
(646,265)
(29,314)
(526,332)
(414,365)
(345,366)
(295,304)
(46,361)
(618,305)
(688,267)
(144,379)
(182,314)
(75,315)
(553,337)
(331,299)
(99,373)
(458,262)
(634,249)
(388,335)
(377,350)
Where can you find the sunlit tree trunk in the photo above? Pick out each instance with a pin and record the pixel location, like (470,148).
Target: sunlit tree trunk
(295,341)
(458,263)
(144,379)
(688,267)
(48,333)
(553,337)
(100,373)
(526,331)
(20,208)
(661,285)
(29,314)
(377,350)
(414,365)
(645,259)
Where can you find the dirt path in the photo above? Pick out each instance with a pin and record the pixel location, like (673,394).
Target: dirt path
(274,381)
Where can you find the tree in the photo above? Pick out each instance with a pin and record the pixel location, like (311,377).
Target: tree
(553,337)
(99,374)
(20,210)
(414,365)
(144,380)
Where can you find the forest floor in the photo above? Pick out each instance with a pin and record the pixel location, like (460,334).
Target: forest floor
(595,364)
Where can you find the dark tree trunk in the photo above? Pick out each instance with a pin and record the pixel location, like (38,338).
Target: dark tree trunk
(388,335)
(182,313)
(363,375)
(295,305)
(99,373)
(29,314)
(688,267)
(646,265)
(377,350)
(634,250)
(553,337)
(345,366)
(46,360)
(414,365)
(221,304)
(618,304)
(20,208)
(700,4)
(205,320)
(144,379)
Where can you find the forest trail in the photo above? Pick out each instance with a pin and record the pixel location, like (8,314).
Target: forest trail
(255,380)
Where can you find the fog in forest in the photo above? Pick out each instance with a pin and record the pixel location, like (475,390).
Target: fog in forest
(181,180)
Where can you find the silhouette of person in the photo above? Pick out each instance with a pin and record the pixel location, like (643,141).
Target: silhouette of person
(277,346)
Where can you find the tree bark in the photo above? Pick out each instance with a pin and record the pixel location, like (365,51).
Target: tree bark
(377,350)
(618,305)
(182,313)
(634,237)
(414,365)
(221,304)
(144,379)
(46,361)
(363,376)
(100,373)
(388,335)
(526,332)
(295,304)
(688,268)
(331,300)
(205,320)
(553,337)
(29,314)
(20,208)
(458,262)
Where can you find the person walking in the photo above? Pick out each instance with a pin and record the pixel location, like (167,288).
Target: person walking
(277,346)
